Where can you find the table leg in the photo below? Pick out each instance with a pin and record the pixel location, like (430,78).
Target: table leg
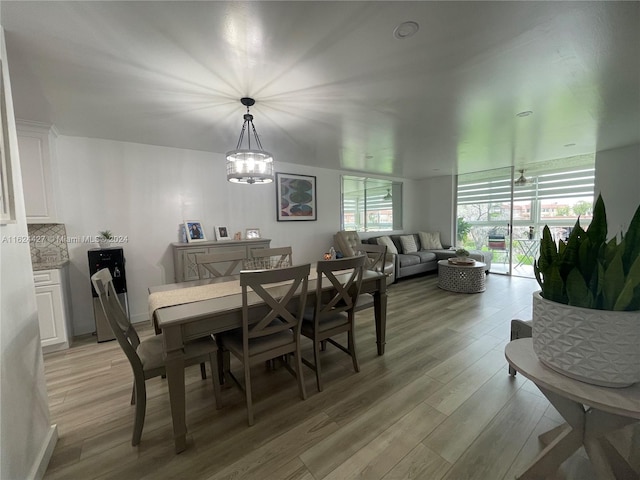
(597,425)
(380,311)
(175,380)
(584,427)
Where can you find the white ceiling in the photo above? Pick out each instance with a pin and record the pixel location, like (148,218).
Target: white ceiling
(333,87)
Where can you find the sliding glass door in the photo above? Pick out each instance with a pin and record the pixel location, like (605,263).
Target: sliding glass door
(504,211)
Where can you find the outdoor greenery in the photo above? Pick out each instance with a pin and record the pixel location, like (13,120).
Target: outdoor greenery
(589,271)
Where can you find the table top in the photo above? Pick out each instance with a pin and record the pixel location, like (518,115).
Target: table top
(187,312)
(621,401)
(476,264)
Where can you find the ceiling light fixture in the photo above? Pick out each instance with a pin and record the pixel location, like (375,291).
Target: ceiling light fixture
(520,182)
(388,195)
(249,165)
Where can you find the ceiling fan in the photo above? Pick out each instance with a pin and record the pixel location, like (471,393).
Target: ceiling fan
(388,195)
(522,180)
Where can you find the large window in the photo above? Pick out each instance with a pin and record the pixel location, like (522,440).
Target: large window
(371,204)
(556,194)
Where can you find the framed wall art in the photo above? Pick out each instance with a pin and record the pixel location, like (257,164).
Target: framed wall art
(222,233)
(195,232)
(295,197)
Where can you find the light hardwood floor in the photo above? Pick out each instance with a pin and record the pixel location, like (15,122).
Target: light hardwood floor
(438,404)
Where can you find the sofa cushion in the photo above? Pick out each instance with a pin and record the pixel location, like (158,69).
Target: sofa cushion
(408,244)
(426,256)
(391,248)
(408,259)
(430,240)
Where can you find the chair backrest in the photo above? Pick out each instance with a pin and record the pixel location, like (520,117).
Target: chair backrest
(375,256)
(346,287)
(117,318)
(278,300)
(206,262)
(497,242)
(268,258)
(347,242)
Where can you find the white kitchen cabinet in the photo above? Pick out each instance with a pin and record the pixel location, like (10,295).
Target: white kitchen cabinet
(53,316)
(37,149)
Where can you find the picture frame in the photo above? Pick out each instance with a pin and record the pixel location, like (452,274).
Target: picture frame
(194,231)
(296,197)
(252,233)
(222,233)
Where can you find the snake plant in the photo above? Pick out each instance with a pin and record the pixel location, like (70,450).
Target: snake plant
(589,271)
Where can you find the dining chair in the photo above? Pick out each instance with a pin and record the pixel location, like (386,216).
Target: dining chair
(270,331)
(222,264)
(268,258)
(375,256)
(334,312)
(147,357)
(498,244)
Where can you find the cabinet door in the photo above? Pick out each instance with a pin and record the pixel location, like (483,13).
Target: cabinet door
(35,163)
(190,269)
(51,315)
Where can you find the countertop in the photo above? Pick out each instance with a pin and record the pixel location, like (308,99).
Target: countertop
(49,266)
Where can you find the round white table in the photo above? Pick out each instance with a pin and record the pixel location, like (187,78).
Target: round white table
(461,278)
(589,410)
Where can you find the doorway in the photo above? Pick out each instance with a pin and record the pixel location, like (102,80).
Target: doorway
(505,210)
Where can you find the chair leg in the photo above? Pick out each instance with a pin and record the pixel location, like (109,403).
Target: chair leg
(133,394)
(141,407)
(216,380)
(299,377)
(203,371)
(247,390)
(316,360)
(352,349)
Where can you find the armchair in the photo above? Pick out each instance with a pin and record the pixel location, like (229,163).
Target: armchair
(348,242)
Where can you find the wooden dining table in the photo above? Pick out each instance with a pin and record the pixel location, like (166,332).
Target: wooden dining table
(181,319)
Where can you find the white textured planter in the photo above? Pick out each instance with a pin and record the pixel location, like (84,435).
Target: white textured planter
(600,347)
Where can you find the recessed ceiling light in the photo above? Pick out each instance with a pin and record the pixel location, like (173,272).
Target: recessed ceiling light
(526,113)
(405,30)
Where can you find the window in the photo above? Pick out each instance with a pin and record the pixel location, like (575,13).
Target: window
(371,204)
(556,194)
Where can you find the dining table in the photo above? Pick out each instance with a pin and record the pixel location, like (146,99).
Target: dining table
(189,310)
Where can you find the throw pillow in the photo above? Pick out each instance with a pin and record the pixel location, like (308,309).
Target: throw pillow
(391,247)
(430,240)
(408,244)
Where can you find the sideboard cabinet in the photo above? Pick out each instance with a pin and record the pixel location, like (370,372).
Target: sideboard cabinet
(184,254)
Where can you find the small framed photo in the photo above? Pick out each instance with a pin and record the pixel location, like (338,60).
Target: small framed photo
(222,233)
(295,197)
(194,230)
(252,233)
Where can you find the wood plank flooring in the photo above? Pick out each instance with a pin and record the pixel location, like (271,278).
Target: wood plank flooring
(438,404)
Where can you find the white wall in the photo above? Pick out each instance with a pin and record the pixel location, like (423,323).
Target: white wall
(617,179)
(436,200)
(145,191)
(27,437)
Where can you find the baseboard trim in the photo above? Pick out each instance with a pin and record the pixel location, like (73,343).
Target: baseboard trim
(42,461)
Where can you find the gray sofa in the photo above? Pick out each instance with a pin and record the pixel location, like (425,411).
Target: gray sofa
(422,261)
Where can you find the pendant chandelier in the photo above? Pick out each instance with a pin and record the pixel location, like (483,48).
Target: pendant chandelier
(250,165)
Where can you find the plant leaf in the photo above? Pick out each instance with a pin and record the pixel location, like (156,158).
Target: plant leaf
(578,291)
(597,230)
(625,300)
(632,242)
(613,282)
